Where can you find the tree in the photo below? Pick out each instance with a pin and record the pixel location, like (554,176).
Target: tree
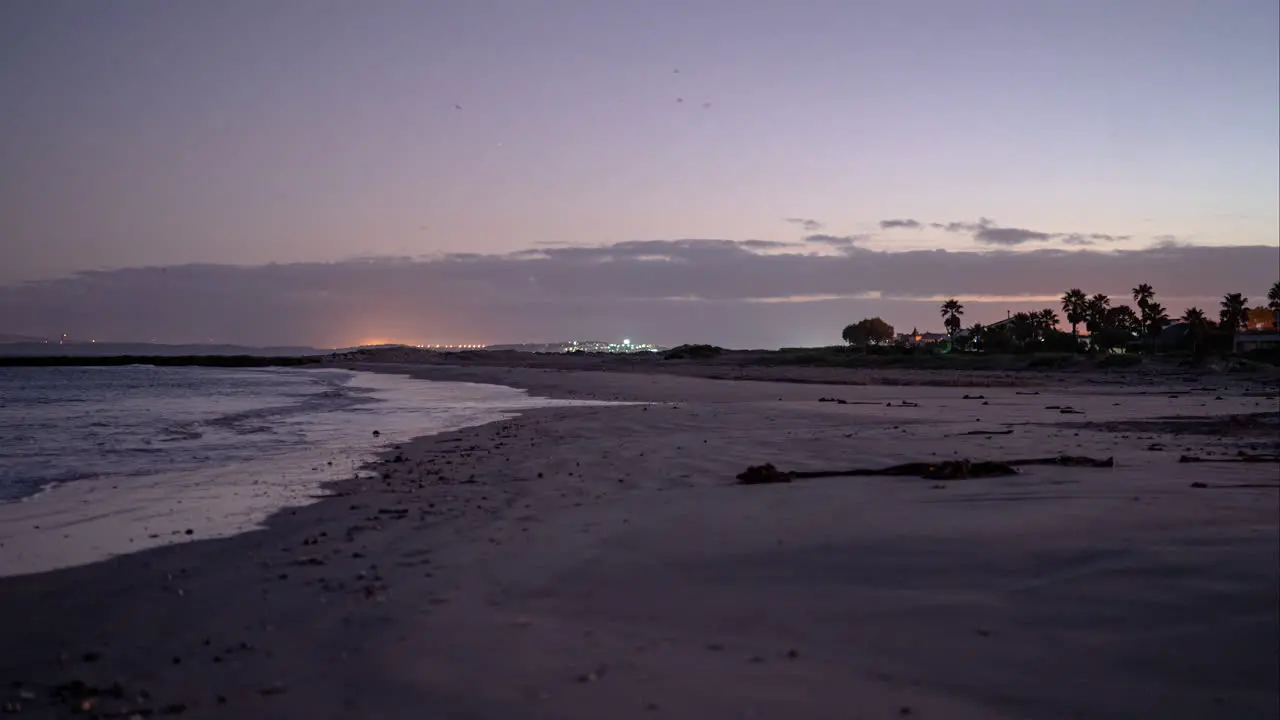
(1046,321)
(1197,329)
(1122,317)
(997,339)
(951,312)
(1273,301)
(853,335)
(877,330)
(1076,306)
(1117,327)
(868,331)
(1095,314)
(1022,326)
(1235,312)
(975,335)
(1142,295)
(1032,327)
(1154,319)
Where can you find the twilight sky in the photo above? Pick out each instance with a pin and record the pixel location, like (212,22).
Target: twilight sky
(399,161)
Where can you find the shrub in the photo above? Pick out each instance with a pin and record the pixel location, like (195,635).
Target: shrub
(692,352)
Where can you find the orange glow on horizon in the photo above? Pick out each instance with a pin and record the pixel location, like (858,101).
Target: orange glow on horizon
(367,341)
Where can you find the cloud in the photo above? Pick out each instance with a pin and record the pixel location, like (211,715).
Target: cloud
(807,224)
(963,227)
(839,241)
(764,244)
(987,232)
(666,291)
(901,223)
(1165,242)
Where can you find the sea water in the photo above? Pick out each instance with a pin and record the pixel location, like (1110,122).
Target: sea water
(97,461)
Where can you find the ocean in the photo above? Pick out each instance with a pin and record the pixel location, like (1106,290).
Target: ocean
(99,461)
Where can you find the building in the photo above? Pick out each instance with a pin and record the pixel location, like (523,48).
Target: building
(916,338)
(1252,340)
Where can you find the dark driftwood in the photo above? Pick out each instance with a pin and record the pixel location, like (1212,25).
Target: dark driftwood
(945,470)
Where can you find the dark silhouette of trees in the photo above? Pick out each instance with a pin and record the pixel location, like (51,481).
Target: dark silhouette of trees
(1234,314)
(998,338)
(976,334)
(951,312)
(1273,302)
(1152,313)
(1118,325)
(1198,328)
(1022,327)
(1076,305)
(1046,321)
(1095,312)
(1142,295)
(867,332)
(1154,320)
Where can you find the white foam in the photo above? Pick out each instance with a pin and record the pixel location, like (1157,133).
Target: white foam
(81,522)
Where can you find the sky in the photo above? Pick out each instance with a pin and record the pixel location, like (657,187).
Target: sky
(753,173)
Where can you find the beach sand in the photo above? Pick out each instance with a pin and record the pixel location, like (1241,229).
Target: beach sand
(601,562)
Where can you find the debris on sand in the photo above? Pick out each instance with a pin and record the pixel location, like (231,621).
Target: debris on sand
(842,401)
(1262,424)
(974,397)
(945,470)
(1241,458)
(763,475)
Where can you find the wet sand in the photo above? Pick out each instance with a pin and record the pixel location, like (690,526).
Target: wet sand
(601,562)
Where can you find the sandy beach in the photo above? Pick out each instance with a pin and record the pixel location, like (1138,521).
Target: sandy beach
(602,562)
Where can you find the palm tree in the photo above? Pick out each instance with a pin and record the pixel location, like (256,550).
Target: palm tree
(1095,314)
(1023,327)
(1143,295)
(1154,318)
(1235,312)
(1197,328)
(1043,322)
(1076,305)
(1273,301)
(951,312)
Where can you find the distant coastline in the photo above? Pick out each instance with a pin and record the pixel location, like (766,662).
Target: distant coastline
(165,360)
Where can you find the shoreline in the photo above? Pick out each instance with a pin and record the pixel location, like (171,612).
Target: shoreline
(587,562)
(69,524)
